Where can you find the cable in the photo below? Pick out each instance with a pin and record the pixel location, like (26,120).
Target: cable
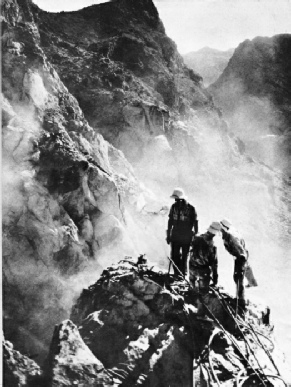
(263,347)
(240,384)
(235,344)
(253,331)
(219,324)
(209,357)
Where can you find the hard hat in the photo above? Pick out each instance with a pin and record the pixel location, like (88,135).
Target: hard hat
(214,228)
(225,223)
(178,193)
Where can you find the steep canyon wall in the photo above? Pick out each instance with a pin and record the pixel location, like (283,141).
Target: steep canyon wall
(101,120)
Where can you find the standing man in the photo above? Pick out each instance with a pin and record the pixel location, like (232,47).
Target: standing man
(182,220)
(235,245)
(203,260)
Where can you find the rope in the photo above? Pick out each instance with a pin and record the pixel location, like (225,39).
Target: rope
(247,342)
(222,328)
(240,321)
(262,346)
(210,359)
(249,327)
(235,344)
(258,340)
(240,384)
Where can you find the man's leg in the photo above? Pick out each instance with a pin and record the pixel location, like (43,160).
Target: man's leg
(176,256)
(185,251)
(239,270)
(204,281)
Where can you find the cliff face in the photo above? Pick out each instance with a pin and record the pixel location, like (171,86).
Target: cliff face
(208,62)
(72,199)
(64,197)
(254,92)
(125,72)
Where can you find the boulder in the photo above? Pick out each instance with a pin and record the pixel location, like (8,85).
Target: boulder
(71,362)
(19,370)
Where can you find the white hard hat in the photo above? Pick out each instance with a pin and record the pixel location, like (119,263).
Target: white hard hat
(178,193)
(225,223)
(214,228)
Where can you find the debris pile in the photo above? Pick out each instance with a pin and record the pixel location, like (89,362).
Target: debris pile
(150,329)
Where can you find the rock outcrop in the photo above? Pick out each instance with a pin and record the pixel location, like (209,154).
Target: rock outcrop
(254,92)
(130,81)
(137,326)
(64,197)
(19,370)
(208,62)
(71,362)
(148,329)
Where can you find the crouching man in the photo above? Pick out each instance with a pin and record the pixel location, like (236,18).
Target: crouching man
(203,260)
(235,245)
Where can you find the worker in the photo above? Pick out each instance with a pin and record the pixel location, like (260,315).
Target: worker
(235,245)
(203,260)
(182,221)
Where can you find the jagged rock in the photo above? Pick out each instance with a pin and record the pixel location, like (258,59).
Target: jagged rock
(56,170)
(71,362)
(135,343)
(7,111)
(145,332)
(19,370)
(117,88)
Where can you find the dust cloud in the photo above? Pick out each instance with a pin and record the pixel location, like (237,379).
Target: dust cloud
(260,204)
(222,179)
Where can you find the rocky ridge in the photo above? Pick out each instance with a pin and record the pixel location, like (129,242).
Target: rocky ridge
(72,199)
(138,326)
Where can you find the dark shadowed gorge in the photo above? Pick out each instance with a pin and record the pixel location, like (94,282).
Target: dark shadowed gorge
(208,62)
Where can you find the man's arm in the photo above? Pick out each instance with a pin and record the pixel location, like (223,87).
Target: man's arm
(170,225)
(194,221)
(214,266)
(238,247)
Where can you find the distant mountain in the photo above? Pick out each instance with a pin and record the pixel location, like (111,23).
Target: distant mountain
(208,62)
(254,92)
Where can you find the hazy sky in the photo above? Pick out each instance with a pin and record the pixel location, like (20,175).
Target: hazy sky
(220,24)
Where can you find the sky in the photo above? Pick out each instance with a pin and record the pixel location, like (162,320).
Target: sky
(220,24)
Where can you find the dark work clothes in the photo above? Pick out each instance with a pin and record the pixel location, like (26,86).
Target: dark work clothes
(182,220)
(203,262)
(180,260)
(235,245)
